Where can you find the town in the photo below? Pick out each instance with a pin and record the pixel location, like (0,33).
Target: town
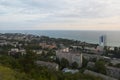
(63,56)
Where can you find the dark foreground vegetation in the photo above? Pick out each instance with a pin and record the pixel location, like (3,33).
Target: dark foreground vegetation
(24,68)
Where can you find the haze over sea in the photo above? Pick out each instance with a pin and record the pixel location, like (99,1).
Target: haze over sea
(113,37)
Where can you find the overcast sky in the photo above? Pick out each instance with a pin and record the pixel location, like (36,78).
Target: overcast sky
(60,14)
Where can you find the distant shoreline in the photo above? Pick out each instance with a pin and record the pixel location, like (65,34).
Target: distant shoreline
(89,36)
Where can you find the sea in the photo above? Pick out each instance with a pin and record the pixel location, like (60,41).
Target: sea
(112,37)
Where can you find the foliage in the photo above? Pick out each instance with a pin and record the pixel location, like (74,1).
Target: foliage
(9,74)
(64,63)
(33,47)
(48,55)
(28,61)
(84,63)
(100,67)
(24,68)
(74,65)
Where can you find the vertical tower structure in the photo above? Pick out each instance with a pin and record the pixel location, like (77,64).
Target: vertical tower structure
(102,40)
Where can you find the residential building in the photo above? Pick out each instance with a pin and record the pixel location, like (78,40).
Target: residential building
(16,51)
(91,56)
(45,45)
(70,56)
(38,51)
(104,77)
(113,72)
(49,65)
(115,61)
(90,64)
(66,70)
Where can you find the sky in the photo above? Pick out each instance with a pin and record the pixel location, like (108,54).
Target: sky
(59,14)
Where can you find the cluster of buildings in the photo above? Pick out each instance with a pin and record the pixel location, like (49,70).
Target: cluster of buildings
(70,56)
(18,37)
(45,45)
(16,51)
(13,43)
(111,71)
(49,65)
(104,77)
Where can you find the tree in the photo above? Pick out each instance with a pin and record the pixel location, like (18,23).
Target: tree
(116,49)
(74,65)
(64,63)
(100,67)
(94,59)
(7,73)
(51,53)
(85,61)
(106,51)
(28,61)
(117,65)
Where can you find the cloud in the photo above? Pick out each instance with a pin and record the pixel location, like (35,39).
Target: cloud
(59,12)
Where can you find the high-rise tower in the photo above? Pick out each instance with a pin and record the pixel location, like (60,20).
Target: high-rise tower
(102,40)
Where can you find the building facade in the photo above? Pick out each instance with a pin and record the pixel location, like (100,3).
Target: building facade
(70,56)
(102,40)
(113,72)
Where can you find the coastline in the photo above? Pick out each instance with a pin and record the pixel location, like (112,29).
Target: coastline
(91,36)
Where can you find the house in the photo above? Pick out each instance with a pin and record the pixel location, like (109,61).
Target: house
(3,42)
(104,77)
(66,70)
(45,45)
(91,56)
(49,65)
(113,72)
(115,61)
(112,48)
(22,51)
(90,64)
(97,50)
(106,59)
(16,51)
(38,51)
(70,56)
